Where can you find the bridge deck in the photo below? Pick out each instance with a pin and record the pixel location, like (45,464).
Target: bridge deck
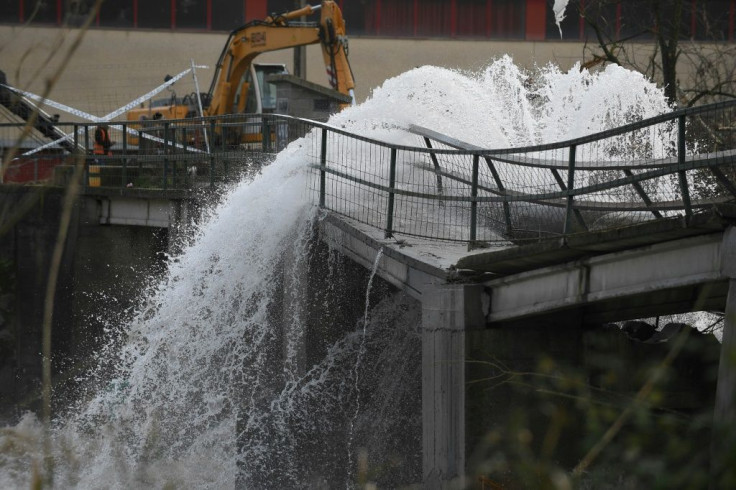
(659,267)
(512,260)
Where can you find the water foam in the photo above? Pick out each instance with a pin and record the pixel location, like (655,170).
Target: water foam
(504,105)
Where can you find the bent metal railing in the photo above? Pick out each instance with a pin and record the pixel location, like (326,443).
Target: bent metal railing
(674,164)
(422,183)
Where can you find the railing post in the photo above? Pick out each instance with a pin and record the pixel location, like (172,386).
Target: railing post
(281,134)
(125,154)
(266,135)
(212,154)
(473,202)
(86,154)
(322,167)
(174,158)
(77,155)
(681,174)
(391,184)
(502,190)
(570,188)
(437,169)
(223,128)
(563,187)
(225,161)
(166,155)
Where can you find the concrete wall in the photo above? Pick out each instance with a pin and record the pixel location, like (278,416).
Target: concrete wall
(28,231)
(102,272)
(112,67)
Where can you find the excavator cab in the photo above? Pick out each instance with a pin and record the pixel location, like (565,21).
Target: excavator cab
(261,95)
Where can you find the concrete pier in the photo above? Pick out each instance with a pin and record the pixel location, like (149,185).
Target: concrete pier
(725,411)
(449,314)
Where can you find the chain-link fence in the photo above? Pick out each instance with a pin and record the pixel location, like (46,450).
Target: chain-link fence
(675,164)
(441,188)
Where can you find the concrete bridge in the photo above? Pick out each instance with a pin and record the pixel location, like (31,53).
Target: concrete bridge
(544,241)
(562,286)
(554,241)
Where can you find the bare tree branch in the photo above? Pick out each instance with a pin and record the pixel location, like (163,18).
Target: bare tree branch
(690,72)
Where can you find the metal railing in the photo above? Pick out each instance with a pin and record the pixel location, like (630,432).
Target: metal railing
(443,188)
(152,154)
(674,164)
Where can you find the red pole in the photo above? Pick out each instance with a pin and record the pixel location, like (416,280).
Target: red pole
(209,15)
(416,16)
(378,16)
(58,12)
(582,21)
(173,14)
(489,17)
(536,20)
(618,19)
(254,10)
(693,19)
(453,18)
(21,12)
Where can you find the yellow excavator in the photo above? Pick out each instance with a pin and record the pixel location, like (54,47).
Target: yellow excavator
(239,85)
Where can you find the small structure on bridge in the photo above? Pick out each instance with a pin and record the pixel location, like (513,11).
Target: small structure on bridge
(300,98)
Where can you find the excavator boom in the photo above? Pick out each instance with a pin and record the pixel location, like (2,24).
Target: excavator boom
(229,84)
(239,85)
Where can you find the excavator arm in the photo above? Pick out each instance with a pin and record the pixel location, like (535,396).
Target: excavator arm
(275,33)
(335,49)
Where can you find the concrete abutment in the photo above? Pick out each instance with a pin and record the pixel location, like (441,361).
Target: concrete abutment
(104,269)
(486,344)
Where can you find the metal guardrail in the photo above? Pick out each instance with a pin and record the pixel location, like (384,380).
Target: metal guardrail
(443,188)
(168,155)
(440,187)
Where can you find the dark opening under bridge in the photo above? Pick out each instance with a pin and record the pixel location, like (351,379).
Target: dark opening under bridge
(634,222)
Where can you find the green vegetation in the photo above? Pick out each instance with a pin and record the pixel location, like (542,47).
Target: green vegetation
(627,415)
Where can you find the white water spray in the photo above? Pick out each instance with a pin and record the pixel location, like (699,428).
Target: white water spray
(202,394)
(559,10)
(358,361)
(504,105)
